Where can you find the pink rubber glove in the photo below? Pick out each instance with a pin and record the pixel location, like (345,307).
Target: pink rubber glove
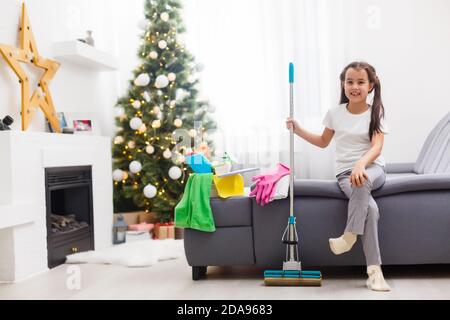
(265,184)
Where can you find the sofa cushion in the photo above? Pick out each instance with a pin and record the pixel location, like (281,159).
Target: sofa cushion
(393,185)
(318,188)
(232,212)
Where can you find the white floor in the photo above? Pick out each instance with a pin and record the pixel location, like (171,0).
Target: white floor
(172,280)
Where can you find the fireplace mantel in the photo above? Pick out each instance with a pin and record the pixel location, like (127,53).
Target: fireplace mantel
(23,159)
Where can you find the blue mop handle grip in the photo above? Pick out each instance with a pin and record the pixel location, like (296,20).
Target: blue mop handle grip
(291,72)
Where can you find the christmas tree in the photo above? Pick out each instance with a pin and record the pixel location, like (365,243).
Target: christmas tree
(160,119)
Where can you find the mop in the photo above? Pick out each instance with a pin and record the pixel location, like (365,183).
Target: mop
(292,273)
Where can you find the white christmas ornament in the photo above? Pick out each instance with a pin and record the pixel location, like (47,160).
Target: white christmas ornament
(172,103)
(117,175)
(136,104)
(135,166)
(167,154)
(150,191)
(177,123)
(191,79)
(149,149)
(181,94)
(131,144)
(156,110)
(146,96)
(162,44)
(144,24)
(118,140)
(161,81)
(135,123)
(142,80)
(156,124)
(142,128)
(165,16)
(153,54)
(174,173)
(171,76)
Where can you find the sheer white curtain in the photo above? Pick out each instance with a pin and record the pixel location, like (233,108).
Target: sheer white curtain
(245,47)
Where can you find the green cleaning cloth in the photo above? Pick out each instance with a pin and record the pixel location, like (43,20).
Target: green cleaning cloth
(194,210)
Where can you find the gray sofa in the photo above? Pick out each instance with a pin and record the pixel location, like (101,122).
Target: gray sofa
(414,225)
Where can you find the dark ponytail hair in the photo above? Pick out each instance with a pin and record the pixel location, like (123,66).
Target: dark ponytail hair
(377,105)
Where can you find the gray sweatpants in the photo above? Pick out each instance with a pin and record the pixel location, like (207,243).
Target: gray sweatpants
(363,213)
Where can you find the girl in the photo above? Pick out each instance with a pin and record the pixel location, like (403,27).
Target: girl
(360,168)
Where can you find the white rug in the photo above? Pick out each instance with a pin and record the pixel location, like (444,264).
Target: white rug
(142,253)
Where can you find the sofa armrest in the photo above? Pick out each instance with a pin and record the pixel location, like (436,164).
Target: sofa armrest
(421,182)
(401,167)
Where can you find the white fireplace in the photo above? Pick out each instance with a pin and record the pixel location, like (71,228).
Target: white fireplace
(23,159)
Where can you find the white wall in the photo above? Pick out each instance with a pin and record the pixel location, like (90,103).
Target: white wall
(409,47)
(410,50)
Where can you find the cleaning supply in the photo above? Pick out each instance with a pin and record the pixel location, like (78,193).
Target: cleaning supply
(194,209)
(199,163)
(224,166)
(265,183)
(281,189)
(292,273)
(229,186)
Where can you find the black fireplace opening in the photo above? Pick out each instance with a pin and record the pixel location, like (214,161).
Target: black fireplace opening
(70,223)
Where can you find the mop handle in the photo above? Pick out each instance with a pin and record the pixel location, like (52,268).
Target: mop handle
(291,147)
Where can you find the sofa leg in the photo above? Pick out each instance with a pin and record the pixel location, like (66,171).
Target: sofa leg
(198,272)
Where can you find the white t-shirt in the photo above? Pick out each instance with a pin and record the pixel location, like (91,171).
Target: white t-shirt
(351,132)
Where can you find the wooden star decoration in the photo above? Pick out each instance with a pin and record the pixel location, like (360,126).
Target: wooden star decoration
(28,53)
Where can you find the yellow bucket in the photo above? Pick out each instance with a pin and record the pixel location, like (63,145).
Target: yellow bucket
(229,186)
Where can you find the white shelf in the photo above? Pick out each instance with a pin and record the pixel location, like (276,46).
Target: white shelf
(79,53)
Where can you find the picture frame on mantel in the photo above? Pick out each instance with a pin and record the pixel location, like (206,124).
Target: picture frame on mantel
(83,123)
